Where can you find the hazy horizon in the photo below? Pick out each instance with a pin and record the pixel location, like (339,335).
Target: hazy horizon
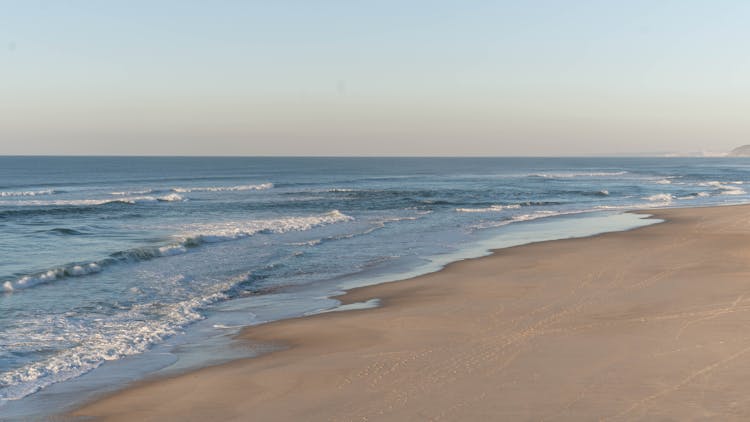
(334,78)
(652,154)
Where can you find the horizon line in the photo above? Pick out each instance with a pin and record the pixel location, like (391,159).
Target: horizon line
(628,155)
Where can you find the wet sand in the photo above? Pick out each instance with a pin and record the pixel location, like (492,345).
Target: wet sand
(652,323)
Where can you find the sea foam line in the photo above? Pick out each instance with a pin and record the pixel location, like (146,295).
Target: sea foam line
(173,197)
(5,194)
(565,175)
(262,186)
(491,208)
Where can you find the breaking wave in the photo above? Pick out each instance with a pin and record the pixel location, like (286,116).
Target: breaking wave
(660,197)
(108,338)
(94,202)
(262,186)
(198,235)
(731,188)
(74,270)
(231,230)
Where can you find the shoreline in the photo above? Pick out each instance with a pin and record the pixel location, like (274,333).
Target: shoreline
(307,338)
(69,395)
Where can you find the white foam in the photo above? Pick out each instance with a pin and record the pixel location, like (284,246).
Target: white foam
(107,338)
(172,197)
(79,270)
(133,192)
(492,208)
(94,202)
(230,230)
(171,250)
(262,186)
(4,194)
(660,197)
(564,175)
(628,207)
(724,188)
(62,202)
(734,192)
(664,182)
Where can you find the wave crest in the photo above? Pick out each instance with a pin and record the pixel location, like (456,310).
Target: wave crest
(218,232)
(5,194)
(95,202)
(567,175)
(75,270)
(212,233)
(262,186)
(491,208)
(724,188)
(660,197)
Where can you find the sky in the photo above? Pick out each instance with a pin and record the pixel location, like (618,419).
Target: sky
(382,77)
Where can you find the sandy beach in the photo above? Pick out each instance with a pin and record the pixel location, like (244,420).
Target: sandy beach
(646,324)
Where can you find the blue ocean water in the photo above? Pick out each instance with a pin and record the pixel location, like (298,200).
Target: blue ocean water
(103,259)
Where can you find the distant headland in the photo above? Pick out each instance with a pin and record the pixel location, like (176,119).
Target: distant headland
(743,151)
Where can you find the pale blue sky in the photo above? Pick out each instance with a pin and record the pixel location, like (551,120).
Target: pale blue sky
(376,77)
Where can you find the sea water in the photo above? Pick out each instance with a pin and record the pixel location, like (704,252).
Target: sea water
(115,268)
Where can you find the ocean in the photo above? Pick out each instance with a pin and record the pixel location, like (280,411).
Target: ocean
(113,268)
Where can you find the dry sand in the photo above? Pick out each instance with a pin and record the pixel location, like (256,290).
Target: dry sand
(648,324)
